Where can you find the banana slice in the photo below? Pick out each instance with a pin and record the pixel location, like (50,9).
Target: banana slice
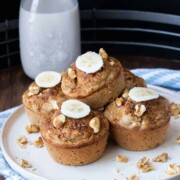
(140,94)
(48,79)
(89,62)
(75,109)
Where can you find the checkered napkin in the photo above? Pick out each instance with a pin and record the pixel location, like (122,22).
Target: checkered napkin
(161,77)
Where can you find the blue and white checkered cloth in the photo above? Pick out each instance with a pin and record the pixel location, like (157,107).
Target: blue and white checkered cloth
(167,78)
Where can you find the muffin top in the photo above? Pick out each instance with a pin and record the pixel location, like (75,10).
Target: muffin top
(133,81)
(77,83)
(43,99)
(67,132)
(144,115)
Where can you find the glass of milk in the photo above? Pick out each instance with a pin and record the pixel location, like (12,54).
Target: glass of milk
(49,32)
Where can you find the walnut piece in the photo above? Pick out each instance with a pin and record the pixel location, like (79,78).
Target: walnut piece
(161,158)
(143,165)
(111,63)
(50,105)
(95,124)
(173,169)
(119,101)
(25,164)
(103,53)
(175,110)
(39,143)
(71,73)
(33,90)
(59,121)
(125,94)
(178,139)
(32,128)
(122,158)
(22,141)
(139,109)
(133,177)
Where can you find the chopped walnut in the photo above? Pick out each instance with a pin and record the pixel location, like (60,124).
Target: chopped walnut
(178,139)
(173,169)
(54,104)
(119,101)
(125,94)
(39,143)
(103,53)
(143,165)
(95,124)
(161,158)
(22,141)
(133,177)
(50,105)
(32,128)
(33,90)
(175,110)
(122,158)
(139,109)
(111,63)
(59,121)
(25,164)
(71,73)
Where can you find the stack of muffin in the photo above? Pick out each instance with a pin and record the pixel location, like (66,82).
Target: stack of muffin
(75,108)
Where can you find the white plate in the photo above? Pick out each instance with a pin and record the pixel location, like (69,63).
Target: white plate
(105,168)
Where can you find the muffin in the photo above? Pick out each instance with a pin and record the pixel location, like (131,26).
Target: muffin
(138,123)
(97,87)
(75,141)
(131,80)
(40,102)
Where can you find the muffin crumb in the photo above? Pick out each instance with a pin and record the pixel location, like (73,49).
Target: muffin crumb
(54,104)
(178,139)
(25,164)
(133,177)
(71,73)
(161,158)
(116,169)
(139,109)
(122,158)
(143,164)
(173,169)
(95,124)
(32,128)
(39,143)
(59,121)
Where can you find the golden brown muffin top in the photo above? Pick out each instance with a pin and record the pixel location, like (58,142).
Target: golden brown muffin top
(43,99)
(74,132)
(132,80)
(142,115)
(80,84)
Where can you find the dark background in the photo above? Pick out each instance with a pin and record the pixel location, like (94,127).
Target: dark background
(93,35)
(10,9)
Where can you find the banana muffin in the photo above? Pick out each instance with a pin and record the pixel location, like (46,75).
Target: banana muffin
(75,141)
(39,102)
(95,79)
(139,121)
(131,80)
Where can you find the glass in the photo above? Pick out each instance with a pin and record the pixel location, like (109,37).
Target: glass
(49,33)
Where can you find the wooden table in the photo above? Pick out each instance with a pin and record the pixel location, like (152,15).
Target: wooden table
(13,81)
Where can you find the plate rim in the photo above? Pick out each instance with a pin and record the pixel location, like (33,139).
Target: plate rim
(17,168)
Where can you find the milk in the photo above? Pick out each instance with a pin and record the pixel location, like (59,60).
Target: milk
(48,40)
